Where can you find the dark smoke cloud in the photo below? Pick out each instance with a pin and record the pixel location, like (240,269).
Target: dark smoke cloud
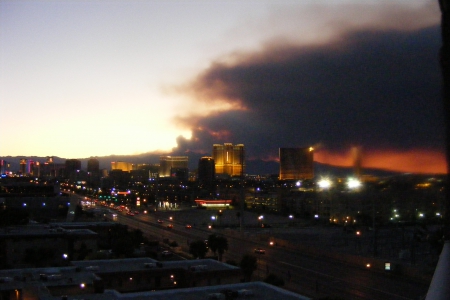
(376,89)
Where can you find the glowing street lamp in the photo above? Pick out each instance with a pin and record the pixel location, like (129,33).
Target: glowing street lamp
(353,183)
(324,183)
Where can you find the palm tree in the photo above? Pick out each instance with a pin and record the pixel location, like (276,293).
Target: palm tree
(198,249)
(218,244)
(222,246)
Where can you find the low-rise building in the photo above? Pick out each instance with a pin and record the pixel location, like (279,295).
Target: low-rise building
(34,246)
(113,279)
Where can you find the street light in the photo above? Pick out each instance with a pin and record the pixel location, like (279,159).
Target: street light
(324,183)
(353,183)
(260,218)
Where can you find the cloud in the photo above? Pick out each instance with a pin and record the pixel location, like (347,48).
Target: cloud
(375,88)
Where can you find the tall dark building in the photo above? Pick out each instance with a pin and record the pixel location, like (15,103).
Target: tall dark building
(206,171)
(23,166)
(35,168)
(296,163)
(72,165)
(93,165)
(229,159)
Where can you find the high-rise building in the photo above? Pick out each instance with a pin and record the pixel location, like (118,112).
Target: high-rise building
(35,168)
(296,163)
(72,165)
(23,166)
(52,169)
(4,166)
(229,159)
(152,170)
(206,171)
(93,165)
(173,166)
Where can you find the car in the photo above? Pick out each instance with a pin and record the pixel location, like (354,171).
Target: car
(160,221)
(188,226)
(260,251)
(166,253)
(170,226)
(136,212)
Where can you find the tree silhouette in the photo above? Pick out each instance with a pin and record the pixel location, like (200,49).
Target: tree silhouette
(218,244)
(198,249)
(248,264)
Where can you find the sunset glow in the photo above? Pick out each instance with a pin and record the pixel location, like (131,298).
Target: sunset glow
(413,161)
(100,78)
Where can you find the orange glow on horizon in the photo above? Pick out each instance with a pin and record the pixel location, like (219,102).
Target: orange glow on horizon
(412,161)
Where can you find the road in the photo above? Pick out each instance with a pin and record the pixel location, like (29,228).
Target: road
(303,274)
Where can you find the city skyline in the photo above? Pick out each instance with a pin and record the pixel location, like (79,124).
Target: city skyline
(106,78)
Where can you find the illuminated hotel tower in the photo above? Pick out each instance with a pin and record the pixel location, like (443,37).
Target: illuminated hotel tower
(229,159)
(170,165)
(121,165)
(296,163)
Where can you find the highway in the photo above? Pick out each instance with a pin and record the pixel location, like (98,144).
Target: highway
(303,274)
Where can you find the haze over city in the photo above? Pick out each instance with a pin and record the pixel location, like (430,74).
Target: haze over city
(81,79)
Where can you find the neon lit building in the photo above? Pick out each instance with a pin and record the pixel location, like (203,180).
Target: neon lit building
(229,159)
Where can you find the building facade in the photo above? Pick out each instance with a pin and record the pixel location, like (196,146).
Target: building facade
(296,163)
(206,171)
(121,165)
(229,159)
(71,166)
(173,166)
(23,166)
(93,165)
